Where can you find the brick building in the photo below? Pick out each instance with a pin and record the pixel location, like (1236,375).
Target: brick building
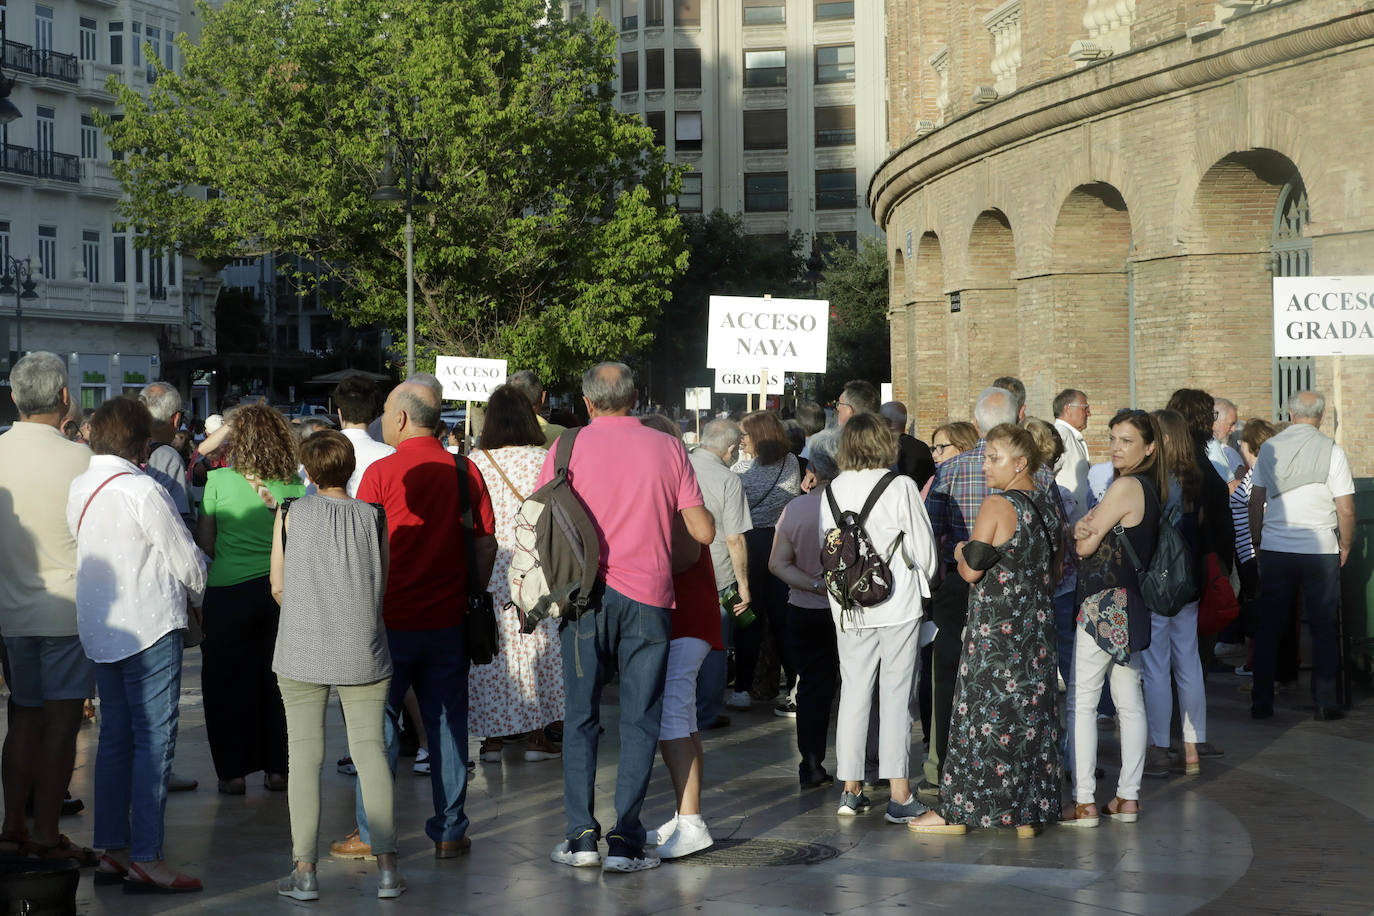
(1096,194)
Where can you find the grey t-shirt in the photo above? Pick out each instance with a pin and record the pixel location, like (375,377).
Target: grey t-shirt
(723,495)
(331,629)
(166,467)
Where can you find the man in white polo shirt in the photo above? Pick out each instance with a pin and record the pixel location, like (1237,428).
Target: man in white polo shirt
(356,399)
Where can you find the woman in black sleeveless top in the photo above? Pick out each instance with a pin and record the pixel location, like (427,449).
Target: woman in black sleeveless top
(1113,623)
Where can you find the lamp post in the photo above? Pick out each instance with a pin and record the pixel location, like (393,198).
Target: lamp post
(18,279)
(388,193)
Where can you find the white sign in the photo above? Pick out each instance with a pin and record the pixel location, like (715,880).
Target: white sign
(886,392)
(783,335)
(469,379)
(698,399)
(1323,316)
(733,381)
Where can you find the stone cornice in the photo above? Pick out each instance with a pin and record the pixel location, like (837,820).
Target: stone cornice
(1116,83)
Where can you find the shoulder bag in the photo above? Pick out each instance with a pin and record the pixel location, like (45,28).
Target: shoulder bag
(479,620)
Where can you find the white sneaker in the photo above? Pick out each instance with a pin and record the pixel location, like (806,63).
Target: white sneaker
(587,854)
(687,839)
(421,766)
(739,699)
(655,837)
(1231,649)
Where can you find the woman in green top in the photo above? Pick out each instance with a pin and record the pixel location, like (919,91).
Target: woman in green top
(243,710)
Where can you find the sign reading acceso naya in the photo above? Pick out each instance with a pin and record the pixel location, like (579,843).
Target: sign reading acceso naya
(468,378)
(783,335)
(1323,316)
(734,381)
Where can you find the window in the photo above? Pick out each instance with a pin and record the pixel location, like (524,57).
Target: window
(653,68)
(42,28)
(629,15)
(117,251)
(686,12)
(689,198)
(765,129)
(765,68)
(658,123)
(47,251)
(629,72)
(687,68)
(136,45)
(4,246)
(87,39)
(835,64)
(653,12)
(156,288)
(764,12)
(90,255)
(46,128)
(575,9)
(116,43)
(687,130)
(90,138)
(835,189)
(829,242)
(834,9)
(138,264)
(169,52)
(117,155)
(835,126)
(765,192)
(154,51)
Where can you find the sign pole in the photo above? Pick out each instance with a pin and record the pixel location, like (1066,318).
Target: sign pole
(698,414)
(1340,420)
(763,388)
(467,425)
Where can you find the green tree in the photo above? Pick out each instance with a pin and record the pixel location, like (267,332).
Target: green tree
(547,240)
(723,260)
(855,282)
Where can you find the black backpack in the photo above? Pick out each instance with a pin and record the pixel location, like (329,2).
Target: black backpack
(1169,582)
(855,573)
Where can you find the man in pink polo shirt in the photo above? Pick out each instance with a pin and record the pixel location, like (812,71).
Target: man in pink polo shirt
(633,480)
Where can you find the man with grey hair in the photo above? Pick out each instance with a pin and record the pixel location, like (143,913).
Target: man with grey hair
(1219,451)
(953,502)
(164,463)
(634,481)
(724,499)
(425,600)
(48,673)
(1071,413)
(1302,512)
(527,383)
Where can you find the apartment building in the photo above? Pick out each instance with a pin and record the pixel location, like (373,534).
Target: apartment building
(777,105)
(116,312)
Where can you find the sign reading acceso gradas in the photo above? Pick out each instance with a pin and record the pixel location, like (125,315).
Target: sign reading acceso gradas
(786,335)
(468,378)
(1323,316)
(737,381)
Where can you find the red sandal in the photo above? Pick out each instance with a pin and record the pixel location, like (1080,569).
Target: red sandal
(139,882)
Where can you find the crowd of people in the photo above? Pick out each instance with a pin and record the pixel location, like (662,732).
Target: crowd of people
(319,556)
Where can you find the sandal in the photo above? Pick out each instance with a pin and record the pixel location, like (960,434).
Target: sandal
(109,871)
(14,841)
(1122,817)
(139,882)
(63,850)
(1081,816)
(1029,831)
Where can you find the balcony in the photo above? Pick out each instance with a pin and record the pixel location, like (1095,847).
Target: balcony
(17,160)
(92,84)
(45,68)
(57,167)
(97,179)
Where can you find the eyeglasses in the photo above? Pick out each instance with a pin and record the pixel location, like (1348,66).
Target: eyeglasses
(839,404)
(1075,406)
(941,446)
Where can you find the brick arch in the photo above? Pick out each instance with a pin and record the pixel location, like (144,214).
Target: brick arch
(1091,165)
(933,345)
(897,278)
(1233,204)
(1092,229)
(991,250)
(928,277)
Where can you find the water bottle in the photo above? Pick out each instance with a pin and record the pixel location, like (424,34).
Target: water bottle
(729,600)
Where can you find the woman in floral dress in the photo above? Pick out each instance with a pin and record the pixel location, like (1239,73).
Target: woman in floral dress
(1002,768)
(521,691)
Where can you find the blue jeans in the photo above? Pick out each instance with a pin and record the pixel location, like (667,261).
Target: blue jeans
(711,678)
(436,665)
(614,629)
(139,698)
(1281,575)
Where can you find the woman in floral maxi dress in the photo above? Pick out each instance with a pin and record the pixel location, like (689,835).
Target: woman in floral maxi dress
(521,691)
(1002,767)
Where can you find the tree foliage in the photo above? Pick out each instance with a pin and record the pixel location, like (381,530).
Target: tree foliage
(548,241)
(855,282)
(722,260)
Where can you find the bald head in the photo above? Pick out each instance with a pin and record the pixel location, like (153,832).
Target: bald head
(609,388)
(412,409)
(1307,407)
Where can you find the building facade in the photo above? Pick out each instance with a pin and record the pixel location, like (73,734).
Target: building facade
(114,311)
(777,105)
(1097,194)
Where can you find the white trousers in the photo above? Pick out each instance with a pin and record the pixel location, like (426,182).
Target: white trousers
(1173,645)
(1092,666)
(887,657)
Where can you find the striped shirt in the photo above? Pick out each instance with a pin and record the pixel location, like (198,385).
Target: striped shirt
(1240,517)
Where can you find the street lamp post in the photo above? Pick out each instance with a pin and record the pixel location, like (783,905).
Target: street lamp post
(388,193)
(18,279)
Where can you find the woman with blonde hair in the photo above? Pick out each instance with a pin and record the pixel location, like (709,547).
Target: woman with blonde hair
(244,719)
(877,644)
(1002,767)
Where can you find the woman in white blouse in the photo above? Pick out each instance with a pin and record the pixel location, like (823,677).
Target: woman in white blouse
(137,569)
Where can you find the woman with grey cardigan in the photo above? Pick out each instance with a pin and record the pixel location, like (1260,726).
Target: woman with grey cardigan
(329,566)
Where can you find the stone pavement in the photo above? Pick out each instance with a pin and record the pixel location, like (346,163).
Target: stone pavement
(1281,824)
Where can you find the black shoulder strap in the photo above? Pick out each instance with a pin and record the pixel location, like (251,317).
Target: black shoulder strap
(564,447)
(877,492)
(1049,538)
(575,513)
(285,508)
(834,506)
(465,508)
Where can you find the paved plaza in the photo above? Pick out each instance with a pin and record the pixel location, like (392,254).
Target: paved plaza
(1284,823)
